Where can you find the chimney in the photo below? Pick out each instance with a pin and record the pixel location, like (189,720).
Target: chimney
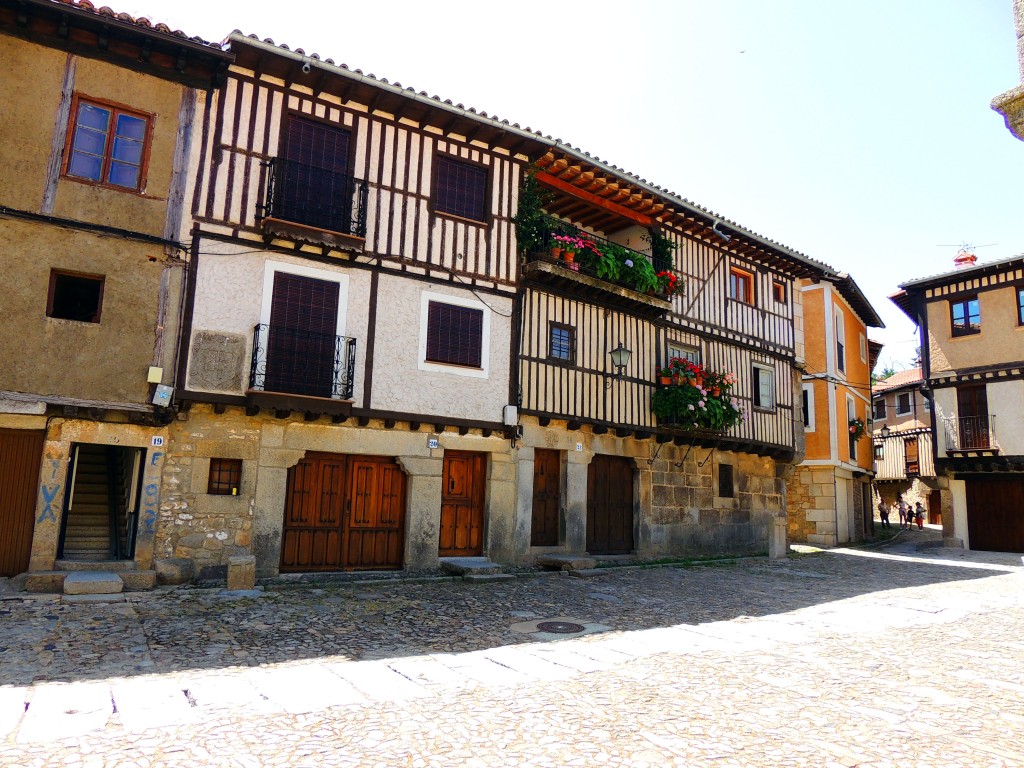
(964,259)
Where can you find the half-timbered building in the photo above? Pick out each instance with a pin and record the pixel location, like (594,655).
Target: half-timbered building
(970,324)
(384,363)
(97,115)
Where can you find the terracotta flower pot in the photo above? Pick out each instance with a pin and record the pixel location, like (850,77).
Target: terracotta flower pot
(665,380)
(716,391)
(556,252)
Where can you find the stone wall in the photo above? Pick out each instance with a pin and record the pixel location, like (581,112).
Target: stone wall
(811,506)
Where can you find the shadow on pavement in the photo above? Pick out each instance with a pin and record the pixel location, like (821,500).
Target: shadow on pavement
(183,630)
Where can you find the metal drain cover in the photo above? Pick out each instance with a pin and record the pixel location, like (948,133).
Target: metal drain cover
(560,627)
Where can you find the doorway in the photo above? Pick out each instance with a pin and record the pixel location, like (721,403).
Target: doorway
(463,477)
(343,513)
(610,506)
(102,504)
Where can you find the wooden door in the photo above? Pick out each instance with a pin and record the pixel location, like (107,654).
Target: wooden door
(972,411)
(343,512)
(547,496)
(21,450)
(462,504)
(995,513)
(610,506)
(302,339)
(913,466)
(935,508)
(375,514)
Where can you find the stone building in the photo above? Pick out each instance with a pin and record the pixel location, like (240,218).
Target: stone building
(98,118)
(829,498)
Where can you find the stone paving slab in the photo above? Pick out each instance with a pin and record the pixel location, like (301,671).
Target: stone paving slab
(304,688)
(63,710)
(151,702)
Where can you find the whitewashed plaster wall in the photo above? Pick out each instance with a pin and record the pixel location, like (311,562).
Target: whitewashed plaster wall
(400,382)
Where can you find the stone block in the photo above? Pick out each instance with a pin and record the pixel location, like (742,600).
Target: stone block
(566,562)
(478,578)
(241,572)
(138,581)
(92,583)
(45,581)
(466,566)
(174,570)
(586,573)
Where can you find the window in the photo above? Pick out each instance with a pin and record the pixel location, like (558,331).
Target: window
(779,292)
(764,387)
(684,352)
(965,316)
(926,403)
(454,334)
(840,342)
(107,145)
(74,296)
(562,343)
(808,392)
(1020,306)
(460,188)
(741,285)
(225,477)
(902,403)
(863,348)
(879,451)
(851,414)
(879,406)
(725,484)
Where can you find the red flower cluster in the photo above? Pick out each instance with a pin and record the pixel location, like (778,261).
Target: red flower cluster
(669,282)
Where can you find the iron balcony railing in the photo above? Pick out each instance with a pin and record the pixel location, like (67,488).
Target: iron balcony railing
(316,197)
(966,433)
(557,227)
(299,362)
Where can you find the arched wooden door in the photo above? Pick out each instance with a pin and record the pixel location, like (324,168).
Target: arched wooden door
(610,506)
(343,513)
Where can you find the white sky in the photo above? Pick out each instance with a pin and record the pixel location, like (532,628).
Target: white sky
(858,133)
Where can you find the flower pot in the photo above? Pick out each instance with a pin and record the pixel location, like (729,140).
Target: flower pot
(716,391)
(556,252)
(569,256)
(665,380)
(698,381)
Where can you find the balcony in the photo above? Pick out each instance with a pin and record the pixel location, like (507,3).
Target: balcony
(291,368)
(606,272)
(313,204)
(971,433)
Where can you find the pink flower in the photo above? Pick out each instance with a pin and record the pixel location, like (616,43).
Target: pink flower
(701,403)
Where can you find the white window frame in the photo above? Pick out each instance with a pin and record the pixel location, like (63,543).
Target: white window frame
(840,325)
(809,410)
(768,372)
(685,351)
(874,409)
(485,343)
(910,403)
(863,348)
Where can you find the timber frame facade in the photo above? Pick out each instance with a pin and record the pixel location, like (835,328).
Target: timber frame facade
(970,322)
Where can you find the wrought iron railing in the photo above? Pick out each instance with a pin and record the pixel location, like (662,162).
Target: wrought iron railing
(584,263)
(314,196)
(299,362)
(965,433)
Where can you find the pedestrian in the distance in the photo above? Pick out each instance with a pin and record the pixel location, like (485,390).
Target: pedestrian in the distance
(919,516)
(903,511)
(883,511)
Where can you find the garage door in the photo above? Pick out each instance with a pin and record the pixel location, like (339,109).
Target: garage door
(995,513)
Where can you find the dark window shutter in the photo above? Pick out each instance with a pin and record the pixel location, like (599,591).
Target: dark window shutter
(460,188)
(454,334)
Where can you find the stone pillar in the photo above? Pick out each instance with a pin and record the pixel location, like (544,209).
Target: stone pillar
(268,516)
(423,513)
(501,523)
(576,500)
(524,504)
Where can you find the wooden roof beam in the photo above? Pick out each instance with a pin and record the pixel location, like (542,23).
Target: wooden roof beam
(551,182)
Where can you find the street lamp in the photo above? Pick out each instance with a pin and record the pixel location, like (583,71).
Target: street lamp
(885,431)
(620,359)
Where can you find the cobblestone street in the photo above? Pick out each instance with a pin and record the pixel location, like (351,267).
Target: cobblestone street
(905,655)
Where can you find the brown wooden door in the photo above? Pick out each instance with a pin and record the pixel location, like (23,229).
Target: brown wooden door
(462,504)
(303,335)
(913,467)
(935,508)
(972,410)
(343,512)
(610,506)
(995,513)
(374,533)
(21,450)
(547,495)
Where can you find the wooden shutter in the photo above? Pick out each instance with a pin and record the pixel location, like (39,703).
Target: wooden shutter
(460,189)
(317,145)
(454,334)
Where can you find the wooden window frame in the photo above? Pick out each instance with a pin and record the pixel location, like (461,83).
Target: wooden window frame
(807,392)
(779,291)
(115,108)
(879,451)
(683,349)
(465,357)
(225,477)
(879,401)
(571,331)
(910,403)
(851,414)
(52,292)
(768,370)
(957,331)
(748,278)
(441,158)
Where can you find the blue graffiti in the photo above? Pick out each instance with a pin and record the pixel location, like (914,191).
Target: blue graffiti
(49,494)
(149,503)
(157,455)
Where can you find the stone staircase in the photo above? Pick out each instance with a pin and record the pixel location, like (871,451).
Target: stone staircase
(93,577)
(87,533)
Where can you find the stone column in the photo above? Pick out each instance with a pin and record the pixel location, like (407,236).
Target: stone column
(268,516)
(423,512)
(577,463)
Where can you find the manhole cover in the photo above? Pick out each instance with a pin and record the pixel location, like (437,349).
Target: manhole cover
(559,627)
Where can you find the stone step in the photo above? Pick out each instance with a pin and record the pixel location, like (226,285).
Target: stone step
(465,566)
(566,562)
(93,583)
(138,581)
(113,566)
